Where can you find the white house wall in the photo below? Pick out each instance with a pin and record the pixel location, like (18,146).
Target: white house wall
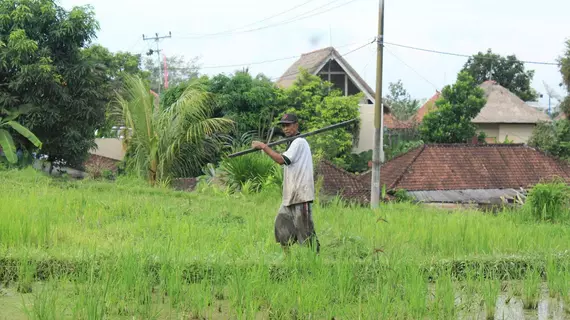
(366,135)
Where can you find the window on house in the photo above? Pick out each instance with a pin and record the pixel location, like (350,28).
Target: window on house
(352,88)
(334,67)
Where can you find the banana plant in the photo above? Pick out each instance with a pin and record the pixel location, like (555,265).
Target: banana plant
(7,120)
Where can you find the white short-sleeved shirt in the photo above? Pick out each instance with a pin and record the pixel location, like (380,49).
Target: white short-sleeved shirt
(298,180)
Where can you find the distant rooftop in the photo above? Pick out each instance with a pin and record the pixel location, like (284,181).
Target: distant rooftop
(314,61)
(453,167)
(502,106)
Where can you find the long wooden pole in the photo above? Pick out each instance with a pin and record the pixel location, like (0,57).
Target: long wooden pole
(378,115)
(334,126)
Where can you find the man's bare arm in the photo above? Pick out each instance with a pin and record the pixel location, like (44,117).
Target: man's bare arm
(270,152)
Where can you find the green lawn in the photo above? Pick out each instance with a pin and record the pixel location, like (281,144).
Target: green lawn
(94,250)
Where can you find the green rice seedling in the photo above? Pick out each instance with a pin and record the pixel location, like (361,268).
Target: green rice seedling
(416,291)
(444,304)
(171,284)
(45,302)
(555,278)
(133,251)
(26,275)
(491,289)
(531,289)
(91,301)
(198,297)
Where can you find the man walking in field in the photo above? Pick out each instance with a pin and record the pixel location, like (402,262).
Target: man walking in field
(294,220)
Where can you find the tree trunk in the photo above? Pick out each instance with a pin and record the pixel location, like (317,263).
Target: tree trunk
(153,166)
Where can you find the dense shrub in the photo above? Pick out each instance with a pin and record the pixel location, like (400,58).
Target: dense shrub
(553,138)
(402,195)
(253,169)
(549,201)
(358,162)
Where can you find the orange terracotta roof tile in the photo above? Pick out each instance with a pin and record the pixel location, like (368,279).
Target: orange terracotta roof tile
(452,167)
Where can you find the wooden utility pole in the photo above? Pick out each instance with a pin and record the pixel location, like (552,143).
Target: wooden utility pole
(377,153)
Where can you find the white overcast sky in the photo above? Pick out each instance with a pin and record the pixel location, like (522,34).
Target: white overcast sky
(533,30)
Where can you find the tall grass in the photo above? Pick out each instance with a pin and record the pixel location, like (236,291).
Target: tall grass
(252,169)
(122,250)
(550,202)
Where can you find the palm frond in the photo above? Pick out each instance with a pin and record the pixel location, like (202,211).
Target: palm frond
(188,121)
(178,139)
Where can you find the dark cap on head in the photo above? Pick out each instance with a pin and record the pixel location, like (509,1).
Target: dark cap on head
(288,118)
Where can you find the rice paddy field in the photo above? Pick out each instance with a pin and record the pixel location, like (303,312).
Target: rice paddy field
(122,250)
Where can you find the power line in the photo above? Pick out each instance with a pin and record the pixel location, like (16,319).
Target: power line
(414,70)
(463,55)
(269,18)
(363,71)
(258,62)
(305,15)
(301,17)
(229,31)
(249,64)
(362,46)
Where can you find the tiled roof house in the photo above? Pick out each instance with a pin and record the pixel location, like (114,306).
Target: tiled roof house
(427,107)
(330,65)
(455,173)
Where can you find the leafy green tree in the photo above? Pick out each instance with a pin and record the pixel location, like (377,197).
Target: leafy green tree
(508,71)
(8,123)
(457,106)
(552,138)
(565,71)
(43,64)
(179,70)
(117,66)
(173,93)
(170,141)
(317,105)
(402,105)
(252,102)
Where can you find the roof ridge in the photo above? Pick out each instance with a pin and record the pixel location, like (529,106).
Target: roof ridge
(341,170)
(318,50)
(423,147)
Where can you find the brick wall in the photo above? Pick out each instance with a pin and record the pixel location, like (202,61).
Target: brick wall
(98,164)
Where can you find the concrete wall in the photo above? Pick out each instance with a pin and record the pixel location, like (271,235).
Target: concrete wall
(491,130)
(496,133)
(519,133)
(366,137)
(111,148)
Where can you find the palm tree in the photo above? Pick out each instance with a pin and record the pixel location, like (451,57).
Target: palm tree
(167,140)
(7,120)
